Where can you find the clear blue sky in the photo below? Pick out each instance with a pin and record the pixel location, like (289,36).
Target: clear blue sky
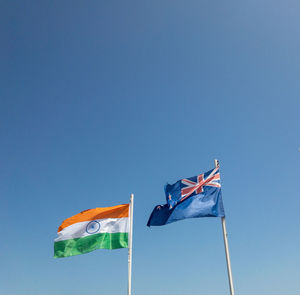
(100,99)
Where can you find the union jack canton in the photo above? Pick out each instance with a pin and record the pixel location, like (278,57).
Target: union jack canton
(195,187)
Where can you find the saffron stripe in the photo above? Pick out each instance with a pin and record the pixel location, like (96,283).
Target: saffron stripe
(97,213)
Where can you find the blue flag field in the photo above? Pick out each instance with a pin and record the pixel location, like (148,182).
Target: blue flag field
(198,196)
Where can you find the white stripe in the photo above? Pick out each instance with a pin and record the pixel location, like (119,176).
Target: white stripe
(107,225)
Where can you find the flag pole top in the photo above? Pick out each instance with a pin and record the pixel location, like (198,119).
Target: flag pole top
(217,164)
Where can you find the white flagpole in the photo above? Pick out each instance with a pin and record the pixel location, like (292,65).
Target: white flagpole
(226,248)
(130,243)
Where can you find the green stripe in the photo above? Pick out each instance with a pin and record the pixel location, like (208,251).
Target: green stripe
(90,243)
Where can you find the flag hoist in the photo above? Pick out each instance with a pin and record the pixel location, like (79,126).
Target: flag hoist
(98,228)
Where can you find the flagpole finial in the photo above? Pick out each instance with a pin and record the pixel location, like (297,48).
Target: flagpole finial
(217,163)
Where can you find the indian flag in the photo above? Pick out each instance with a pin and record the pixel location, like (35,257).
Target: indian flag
(99,228)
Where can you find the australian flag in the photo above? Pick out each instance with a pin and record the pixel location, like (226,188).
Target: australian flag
(198,196)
